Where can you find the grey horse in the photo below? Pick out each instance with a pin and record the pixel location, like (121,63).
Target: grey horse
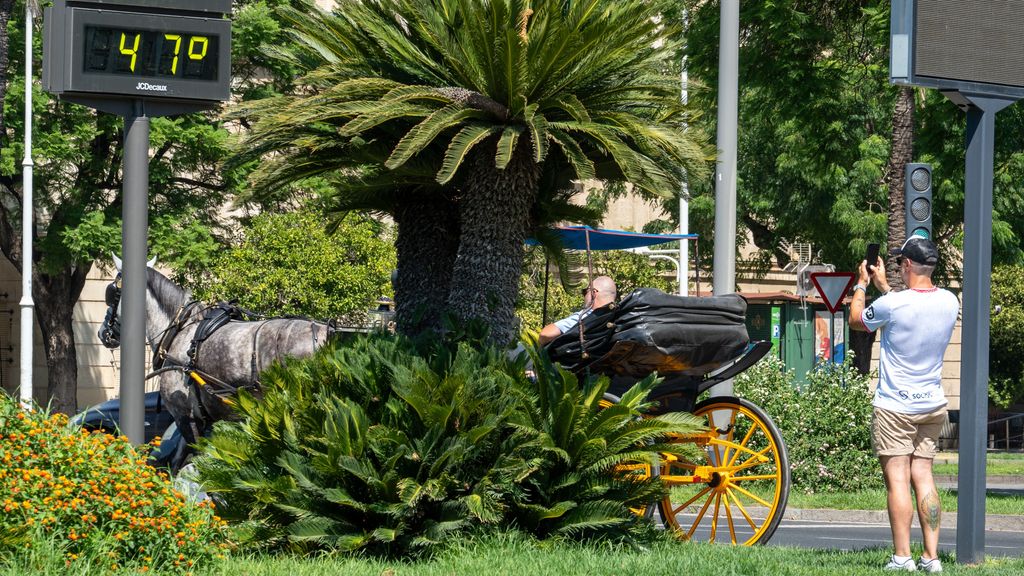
(197,368)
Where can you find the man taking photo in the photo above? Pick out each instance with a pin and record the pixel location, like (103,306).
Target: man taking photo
(909,404)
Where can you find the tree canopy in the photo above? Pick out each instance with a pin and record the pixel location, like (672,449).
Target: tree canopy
(77,175)
(287,263)
(816,130)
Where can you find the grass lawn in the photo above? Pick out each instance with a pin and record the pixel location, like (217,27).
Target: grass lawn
(514,555)
(997,464)
(875,500)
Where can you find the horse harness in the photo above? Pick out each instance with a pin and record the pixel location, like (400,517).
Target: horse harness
(214,317)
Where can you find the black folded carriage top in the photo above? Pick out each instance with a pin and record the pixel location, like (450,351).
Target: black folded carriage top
(649,330)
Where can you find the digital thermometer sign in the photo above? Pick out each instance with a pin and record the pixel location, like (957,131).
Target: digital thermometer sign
(139,49)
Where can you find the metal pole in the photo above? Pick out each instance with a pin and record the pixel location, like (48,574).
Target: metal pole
(27,227)
(684,245)
(133,299)
(544,309)
(696,271)
(684,193)
(970,534)
(725,177)
(832,339)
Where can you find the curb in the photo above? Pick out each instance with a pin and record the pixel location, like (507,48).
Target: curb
(998,522)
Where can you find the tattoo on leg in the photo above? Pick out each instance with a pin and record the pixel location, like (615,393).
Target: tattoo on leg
(932,509)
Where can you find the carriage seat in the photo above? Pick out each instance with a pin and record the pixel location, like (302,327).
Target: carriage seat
(649,330)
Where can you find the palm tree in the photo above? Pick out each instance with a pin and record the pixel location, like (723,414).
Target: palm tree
(487,94)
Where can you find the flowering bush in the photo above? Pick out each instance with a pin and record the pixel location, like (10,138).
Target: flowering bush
(95,497)
(826,424)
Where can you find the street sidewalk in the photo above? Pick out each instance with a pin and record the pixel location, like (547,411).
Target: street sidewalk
(1000,522)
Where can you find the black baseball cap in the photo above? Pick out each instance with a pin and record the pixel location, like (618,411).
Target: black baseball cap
(918,249)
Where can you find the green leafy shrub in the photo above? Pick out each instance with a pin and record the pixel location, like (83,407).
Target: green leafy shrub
(381,446)
(92,497)
(826,424)
(1006,339)
(580,445)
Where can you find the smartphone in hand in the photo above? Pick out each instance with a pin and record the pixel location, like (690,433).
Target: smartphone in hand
(872,257)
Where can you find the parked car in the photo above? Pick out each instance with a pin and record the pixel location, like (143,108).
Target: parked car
(106,417)
(172,452)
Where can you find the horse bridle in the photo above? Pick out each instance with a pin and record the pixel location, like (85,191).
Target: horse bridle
(110,329)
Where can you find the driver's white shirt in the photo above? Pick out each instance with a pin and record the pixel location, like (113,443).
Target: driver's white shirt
(567,323)
(916,328)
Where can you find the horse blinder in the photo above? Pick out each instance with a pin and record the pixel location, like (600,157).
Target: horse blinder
(113,295)
(110,330)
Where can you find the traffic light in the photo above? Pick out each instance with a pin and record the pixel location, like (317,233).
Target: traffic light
(918,200)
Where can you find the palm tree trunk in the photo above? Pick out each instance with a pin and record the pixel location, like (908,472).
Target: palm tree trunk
(55,295)
(428,238)
(900,153)
(494,212)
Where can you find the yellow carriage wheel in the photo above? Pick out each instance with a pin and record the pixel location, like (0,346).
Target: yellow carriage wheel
(736,490)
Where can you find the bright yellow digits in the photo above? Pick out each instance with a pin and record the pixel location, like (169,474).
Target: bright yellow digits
(177,50)
(202,40)
(133,51)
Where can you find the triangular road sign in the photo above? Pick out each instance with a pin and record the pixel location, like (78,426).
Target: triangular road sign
(832,287)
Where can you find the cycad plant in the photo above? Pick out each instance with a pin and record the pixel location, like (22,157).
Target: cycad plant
(383,446)
(596,453)
(475,101)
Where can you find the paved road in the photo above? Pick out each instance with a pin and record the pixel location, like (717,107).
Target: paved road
(857,530)
(837,535)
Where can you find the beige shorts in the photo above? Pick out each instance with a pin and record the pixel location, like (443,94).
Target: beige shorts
(896,434)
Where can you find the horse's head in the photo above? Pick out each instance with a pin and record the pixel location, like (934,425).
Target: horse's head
(110,330)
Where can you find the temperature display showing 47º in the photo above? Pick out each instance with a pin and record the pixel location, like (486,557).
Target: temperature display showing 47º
(151,53)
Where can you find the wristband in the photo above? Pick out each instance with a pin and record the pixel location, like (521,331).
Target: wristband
(859,287)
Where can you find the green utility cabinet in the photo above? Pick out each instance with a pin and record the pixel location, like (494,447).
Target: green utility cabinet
(791,328)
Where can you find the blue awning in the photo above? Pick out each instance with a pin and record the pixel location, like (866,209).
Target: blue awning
(575,238)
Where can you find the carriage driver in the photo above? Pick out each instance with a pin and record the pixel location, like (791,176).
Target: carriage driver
(600,293)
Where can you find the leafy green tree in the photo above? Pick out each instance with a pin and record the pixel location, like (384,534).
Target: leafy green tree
(77,194)
(287,263)
(1006,337)
(824,137)
(480,102)
(77,198)
(815,113)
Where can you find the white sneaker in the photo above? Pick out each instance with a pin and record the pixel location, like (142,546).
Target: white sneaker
(907,564)
(932,565)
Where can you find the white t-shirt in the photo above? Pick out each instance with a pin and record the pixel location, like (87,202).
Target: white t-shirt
(567,323)
(916,328)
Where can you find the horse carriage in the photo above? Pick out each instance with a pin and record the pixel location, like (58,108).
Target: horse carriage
(739,484)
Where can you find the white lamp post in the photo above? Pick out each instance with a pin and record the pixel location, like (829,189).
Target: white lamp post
(27,228)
